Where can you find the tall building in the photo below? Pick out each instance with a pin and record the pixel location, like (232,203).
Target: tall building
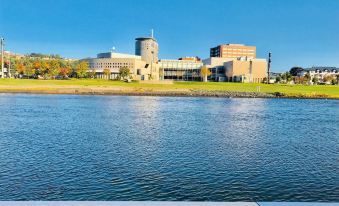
(233,51)
(147,48)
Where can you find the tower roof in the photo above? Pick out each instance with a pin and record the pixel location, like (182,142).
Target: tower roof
(145,38)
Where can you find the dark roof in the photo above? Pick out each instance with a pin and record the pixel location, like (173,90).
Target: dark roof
(321,68)
(145,38)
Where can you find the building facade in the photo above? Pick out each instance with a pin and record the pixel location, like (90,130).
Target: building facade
(140,70)
(147,48)
(181,70)
(233,51)
(242,69)
(246,70)
(320,72)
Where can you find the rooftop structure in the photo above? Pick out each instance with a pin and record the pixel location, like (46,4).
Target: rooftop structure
(147,48)
(233,51)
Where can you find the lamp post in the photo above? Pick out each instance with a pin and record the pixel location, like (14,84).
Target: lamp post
(2,42)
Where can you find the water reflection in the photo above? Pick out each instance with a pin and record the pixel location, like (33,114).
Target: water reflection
(165,148)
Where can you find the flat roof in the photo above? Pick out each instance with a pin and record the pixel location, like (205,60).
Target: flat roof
(145,38)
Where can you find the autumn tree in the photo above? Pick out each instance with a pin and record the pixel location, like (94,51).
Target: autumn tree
(327,78)
(29,69)
(36,66)
(54,68)
(20,68)
(44,67)
(81,69)
(205,72)
(64,71)
(307,77)
(107,73)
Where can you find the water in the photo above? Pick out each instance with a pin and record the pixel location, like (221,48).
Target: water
(59,147)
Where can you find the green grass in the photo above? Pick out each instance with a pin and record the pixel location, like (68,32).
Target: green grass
(331,91)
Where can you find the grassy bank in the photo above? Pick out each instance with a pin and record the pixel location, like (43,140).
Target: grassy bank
(105,86)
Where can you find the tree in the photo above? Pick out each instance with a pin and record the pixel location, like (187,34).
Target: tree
(37,66)
(81,69)
(278,79)
(315,80)
(124,72)
(29,69)
(91,73)
(64,71)
(307,77)
(295,70)
(44,67)
(205,72)
(287,77)
(20,68)
(327,78)
(54,68)
(107,73)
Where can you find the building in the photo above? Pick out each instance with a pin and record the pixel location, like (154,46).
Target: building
(147,48)
(143,65)
(233,51)
(320,72)
(236,69)
(140,70)
(246,70)
(184,69)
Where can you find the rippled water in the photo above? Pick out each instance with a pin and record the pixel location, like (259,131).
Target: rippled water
(59,147)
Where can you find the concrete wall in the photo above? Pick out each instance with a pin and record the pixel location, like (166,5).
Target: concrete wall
(249,71)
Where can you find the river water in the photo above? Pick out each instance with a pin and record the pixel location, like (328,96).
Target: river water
(63,147)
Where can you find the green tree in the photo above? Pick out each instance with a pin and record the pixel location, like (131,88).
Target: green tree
(91,74)
(278,79)
(295,70)
(81,69)
(287,77)
(124,72)
(205,72)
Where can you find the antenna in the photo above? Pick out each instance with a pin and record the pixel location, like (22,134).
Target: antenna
(113,49)
(152,33)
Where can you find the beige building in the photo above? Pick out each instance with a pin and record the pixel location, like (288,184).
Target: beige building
(236,69)
(140,70)
(246,70)
(233,51)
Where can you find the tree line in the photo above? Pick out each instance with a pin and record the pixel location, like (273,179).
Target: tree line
(56,68)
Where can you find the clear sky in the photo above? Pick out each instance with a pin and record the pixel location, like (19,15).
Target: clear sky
(297,32)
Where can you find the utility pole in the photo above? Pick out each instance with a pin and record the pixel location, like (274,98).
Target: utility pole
(2,42)
(269,67)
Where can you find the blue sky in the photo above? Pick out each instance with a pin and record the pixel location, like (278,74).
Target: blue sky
(297,32)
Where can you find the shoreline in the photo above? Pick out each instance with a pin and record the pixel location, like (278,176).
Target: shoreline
(165,93)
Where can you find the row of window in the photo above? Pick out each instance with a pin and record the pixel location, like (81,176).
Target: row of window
(249,50)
